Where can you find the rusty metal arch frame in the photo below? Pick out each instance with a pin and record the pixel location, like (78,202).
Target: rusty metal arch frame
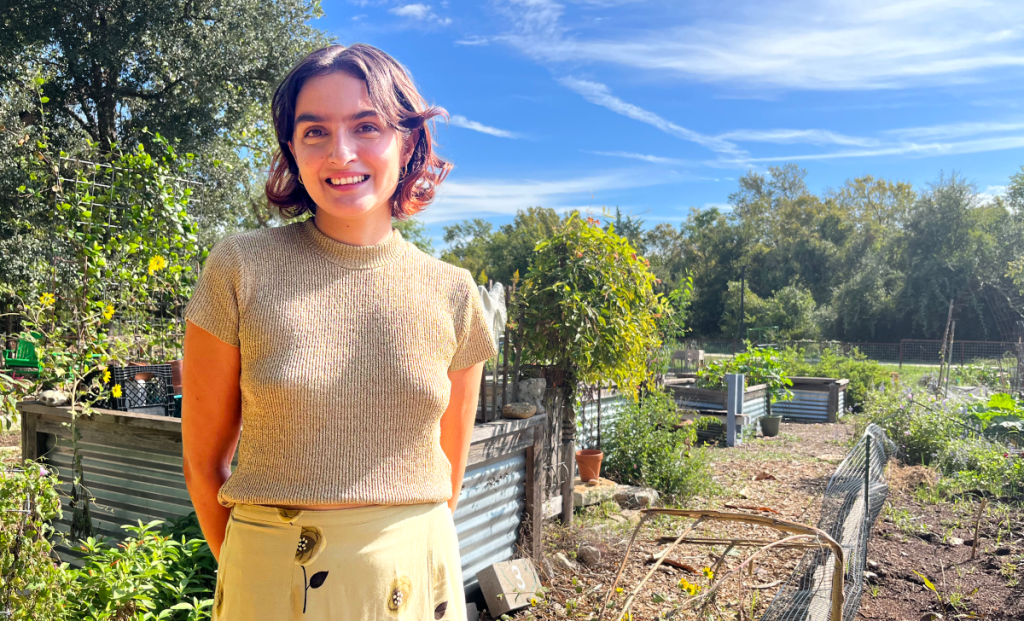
(794,529)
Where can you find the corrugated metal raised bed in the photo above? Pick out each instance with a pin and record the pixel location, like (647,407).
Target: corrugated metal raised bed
(132,465)
(815,400)
(706,402)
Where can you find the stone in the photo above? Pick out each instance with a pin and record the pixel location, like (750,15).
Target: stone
(635,497)
(871,576)
(593,483)
(585,495)
(955,541)
(508,585)
(563,561)
(532,391)
(53,397)
(1002,551)
(589,555)
(873,565)
(632,516)
(519,409)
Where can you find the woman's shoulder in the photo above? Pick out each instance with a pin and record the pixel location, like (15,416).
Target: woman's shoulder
(437,271)
(264,238)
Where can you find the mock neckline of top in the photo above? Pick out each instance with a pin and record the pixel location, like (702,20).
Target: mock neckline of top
(354,257)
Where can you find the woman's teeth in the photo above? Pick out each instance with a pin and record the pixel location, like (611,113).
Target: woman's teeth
(348,180)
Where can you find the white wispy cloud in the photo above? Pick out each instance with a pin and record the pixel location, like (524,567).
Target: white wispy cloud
(991,193)
(460,121)
(422,12)
(599,94)
(460,199)
(955,130)
(797,136)
(930,149)
(654,159)
(801,44)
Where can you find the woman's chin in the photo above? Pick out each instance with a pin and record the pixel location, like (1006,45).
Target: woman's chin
(347,209)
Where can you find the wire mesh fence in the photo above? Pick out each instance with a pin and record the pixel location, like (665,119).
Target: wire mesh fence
(852,502)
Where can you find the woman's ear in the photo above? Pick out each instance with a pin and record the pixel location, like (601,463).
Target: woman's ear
(409,146)
(291,149)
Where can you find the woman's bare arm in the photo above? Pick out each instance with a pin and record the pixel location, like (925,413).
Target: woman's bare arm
(211,419)
(457,423)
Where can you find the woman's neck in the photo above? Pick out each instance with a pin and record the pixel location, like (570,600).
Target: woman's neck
(366,232)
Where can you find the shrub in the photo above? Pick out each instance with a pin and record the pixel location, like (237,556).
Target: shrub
(647,446)
(922,427)
(159,572)
(760,366)
(32,585)
(863,374)
(977,463)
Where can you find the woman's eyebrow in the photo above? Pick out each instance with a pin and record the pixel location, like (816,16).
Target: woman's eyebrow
(308,117)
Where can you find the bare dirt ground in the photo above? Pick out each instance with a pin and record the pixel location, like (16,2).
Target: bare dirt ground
(788,474)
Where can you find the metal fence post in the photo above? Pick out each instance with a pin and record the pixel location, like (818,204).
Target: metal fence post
(733,407)
(867,476)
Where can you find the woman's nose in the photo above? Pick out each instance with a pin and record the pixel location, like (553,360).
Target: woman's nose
(343,149)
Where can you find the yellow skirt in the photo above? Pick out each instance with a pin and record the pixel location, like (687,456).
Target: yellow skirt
(364,564)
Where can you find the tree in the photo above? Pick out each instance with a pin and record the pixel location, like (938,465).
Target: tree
(413,230)
(951,252)
(200,73)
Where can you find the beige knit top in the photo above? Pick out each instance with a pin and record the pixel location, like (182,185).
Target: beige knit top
(345,352)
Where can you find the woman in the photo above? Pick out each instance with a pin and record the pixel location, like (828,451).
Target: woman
(344,363)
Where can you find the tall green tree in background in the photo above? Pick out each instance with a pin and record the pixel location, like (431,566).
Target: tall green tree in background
(200,73)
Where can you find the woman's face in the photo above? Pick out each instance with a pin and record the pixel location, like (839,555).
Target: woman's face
(347,156)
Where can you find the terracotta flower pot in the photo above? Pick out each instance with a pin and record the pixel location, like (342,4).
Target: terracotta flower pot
(589,462)
(176,375)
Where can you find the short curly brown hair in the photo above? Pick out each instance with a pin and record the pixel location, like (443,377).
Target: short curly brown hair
(397,102)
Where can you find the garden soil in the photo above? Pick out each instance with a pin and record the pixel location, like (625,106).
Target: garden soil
(788,475)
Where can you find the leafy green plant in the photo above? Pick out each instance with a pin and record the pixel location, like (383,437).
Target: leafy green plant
(760,366)
(122,245)
(150,575)
(649,446)
(922,426)
(32,586)
(1002,418)
(590,308)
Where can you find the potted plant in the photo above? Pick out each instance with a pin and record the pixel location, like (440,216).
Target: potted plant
(589,303)
(589,463)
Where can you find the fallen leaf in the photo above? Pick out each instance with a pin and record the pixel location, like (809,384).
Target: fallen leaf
(764,476)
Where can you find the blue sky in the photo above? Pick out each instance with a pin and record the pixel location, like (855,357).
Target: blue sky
(657,107)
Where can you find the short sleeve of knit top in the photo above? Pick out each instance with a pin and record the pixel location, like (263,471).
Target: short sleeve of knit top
(344,358)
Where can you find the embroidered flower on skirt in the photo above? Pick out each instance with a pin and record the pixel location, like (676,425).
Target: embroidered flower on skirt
(311,543)
(398,594)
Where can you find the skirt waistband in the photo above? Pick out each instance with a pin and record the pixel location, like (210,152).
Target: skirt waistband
(333,517)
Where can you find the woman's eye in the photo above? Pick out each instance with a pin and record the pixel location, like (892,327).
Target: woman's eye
(367,128)
(314,133)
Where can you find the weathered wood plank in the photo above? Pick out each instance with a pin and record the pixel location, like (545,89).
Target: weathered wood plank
(29,437)
(114,417)
(495,447)
(483,431)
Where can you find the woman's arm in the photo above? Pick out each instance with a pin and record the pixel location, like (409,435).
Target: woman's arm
(457,423)
(211,419)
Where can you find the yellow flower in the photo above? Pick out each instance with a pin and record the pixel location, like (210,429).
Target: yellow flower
(691,589)
(108,312)
(116,391)
(533,601)
(710,575)
(106,377)
(618,589)
(156,264)
(47,299)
